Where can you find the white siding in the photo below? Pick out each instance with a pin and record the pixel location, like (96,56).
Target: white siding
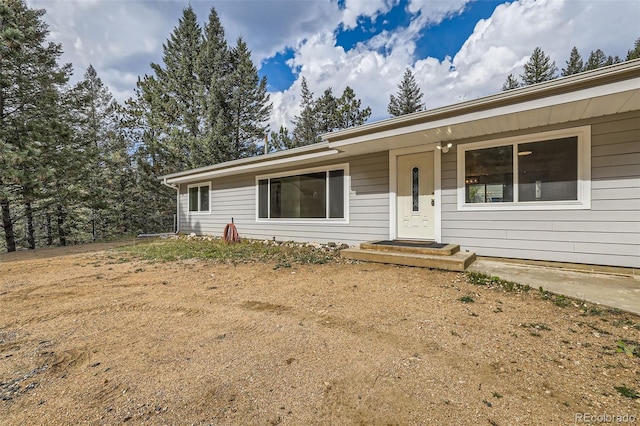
(235,197)
(608,234)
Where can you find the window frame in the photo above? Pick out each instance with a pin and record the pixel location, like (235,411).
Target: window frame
(583,201)
(199,186)
(346,182)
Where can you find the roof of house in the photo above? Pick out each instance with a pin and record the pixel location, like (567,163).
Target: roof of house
(604,91)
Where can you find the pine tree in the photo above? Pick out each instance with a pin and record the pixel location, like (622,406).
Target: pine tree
(408,98)
(280,140)
(179,92)
(30,80)
(249,104)
(597,59)
(97,130)
(214,73)
(613,60)
(635,52)
(539,68)
(153,157)
(305,131)
(348,111)
(66,181)
(575,64)
(510,83)
(325,110)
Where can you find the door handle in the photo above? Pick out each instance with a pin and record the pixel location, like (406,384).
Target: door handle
(433,202)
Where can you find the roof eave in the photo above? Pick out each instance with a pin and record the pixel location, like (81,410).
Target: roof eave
(245,161)
(600,76)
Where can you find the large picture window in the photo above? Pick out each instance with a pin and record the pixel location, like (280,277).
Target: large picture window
(539,171)
(316,194)
(199,198)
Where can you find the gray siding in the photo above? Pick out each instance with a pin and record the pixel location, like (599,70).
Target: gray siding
(608,234)
(236,197)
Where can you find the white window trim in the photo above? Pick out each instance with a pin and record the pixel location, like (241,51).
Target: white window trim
(289,173)
(584,172)
(198,185)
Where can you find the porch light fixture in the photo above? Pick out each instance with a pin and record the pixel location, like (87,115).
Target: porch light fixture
(445,148)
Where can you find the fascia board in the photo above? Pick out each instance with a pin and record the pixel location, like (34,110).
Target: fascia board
(253,167)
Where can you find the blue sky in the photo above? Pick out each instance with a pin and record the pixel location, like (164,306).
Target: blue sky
(457,49)
(437,41)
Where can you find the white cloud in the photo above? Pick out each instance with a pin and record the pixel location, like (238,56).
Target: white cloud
(353,9)
(502,44)
(120,38)
(498,46)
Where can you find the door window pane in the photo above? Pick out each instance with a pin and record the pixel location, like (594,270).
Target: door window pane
(415,189)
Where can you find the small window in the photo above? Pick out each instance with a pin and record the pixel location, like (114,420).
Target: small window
(318,194)
(199,198)
(415,188)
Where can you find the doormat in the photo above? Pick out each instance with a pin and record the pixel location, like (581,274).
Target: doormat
(404,243)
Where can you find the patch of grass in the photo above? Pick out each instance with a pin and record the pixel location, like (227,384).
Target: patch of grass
(246,251)
(489,281)
(557,299)
(628,348)
(627,392)
(536,325)
(561,301)
(466,299)
(592,310)
(544,295)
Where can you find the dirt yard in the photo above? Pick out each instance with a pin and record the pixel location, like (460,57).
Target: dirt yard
(93,337)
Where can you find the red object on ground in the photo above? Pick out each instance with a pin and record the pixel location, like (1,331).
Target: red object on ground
(230,234)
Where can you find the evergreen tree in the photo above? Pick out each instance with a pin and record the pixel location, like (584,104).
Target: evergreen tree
(575,64)
(305,131)
(408,98)
(30,80)
(510,83)
(635,52)
(97,130)
(613,60)
(348,111)
(147,131)
(66,182)
(597,59)
(249,104)
(538,68)
(325,112)
(281,140)
(180,100)
(214,73)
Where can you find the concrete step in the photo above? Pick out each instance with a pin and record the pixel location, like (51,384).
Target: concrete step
(447,250)
(455,262)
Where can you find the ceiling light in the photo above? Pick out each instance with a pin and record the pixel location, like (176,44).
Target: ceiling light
(445,148)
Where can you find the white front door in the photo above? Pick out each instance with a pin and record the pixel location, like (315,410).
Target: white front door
(415,196)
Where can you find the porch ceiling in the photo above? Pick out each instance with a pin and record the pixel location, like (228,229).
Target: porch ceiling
(494,122)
